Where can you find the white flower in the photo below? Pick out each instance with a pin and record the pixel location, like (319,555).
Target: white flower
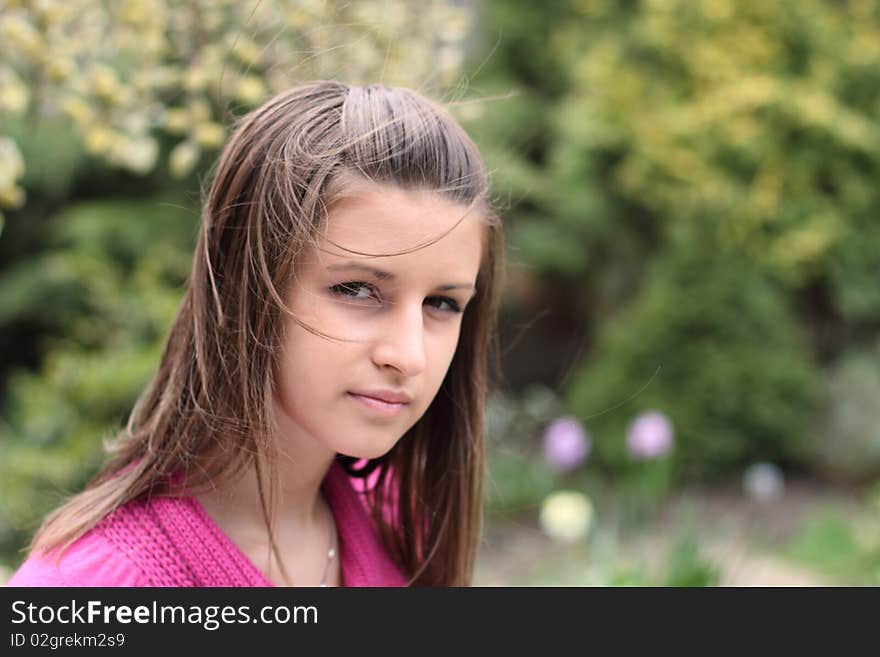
(566,516)
(764,482)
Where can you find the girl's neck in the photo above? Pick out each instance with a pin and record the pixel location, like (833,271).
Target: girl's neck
(296,502)
(302,526)
(300,518)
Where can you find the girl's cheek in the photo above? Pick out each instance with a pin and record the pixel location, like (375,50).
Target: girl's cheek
(349,323)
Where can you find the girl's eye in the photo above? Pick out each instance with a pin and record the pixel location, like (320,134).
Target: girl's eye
(356,290)
(444,303)
(361,291)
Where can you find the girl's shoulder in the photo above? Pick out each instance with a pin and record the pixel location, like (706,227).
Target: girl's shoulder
(92,560)
(172,541)
(155,541)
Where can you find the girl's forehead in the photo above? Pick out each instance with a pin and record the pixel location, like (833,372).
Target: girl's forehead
(373,205)
(384,220)
(389,229)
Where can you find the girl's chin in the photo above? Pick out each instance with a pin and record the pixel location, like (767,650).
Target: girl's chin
(367,452)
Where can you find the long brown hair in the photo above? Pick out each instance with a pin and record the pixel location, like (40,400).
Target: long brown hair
(207,413)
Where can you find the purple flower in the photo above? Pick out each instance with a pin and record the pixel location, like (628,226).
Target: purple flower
(566,444)
(650,436)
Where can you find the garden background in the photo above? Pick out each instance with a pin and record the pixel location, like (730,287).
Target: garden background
(690,334)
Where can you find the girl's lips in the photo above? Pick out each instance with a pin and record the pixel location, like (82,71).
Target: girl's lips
(387,409)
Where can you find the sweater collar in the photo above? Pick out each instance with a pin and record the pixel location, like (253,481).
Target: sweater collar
(364,560)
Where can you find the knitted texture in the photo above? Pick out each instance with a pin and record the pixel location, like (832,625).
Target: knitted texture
(172,541)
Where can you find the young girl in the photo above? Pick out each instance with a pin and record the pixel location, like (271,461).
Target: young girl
(317,417)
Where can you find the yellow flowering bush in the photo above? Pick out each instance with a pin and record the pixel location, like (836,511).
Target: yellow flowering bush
(122,72)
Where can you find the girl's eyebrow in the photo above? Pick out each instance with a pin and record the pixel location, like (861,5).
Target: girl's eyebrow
(384,275)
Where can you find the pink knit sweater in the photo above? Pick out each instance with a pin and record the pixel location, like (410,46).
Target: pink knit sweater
(168,541)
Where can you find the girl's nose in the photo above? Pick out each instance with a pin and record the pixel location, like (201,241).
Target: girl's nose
(402,343)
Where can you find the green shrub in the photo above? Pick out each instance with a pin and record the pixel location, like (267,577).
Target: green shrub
(710,343)
(622,124)
(103,294)
(847,446)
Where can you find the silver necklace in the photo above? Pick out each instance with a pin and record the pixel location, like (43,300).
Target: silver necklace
(331,551)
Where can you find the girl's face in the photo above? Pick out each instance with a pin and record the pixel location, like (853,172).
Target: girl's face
(394,320)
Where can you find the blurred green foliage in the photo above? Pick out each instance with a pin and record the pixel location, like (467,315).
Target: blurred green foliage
(831,545)
(708,341)
(847,446)
(699,179)
(518,477)
(687,567)
(103,294)
(695,180)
